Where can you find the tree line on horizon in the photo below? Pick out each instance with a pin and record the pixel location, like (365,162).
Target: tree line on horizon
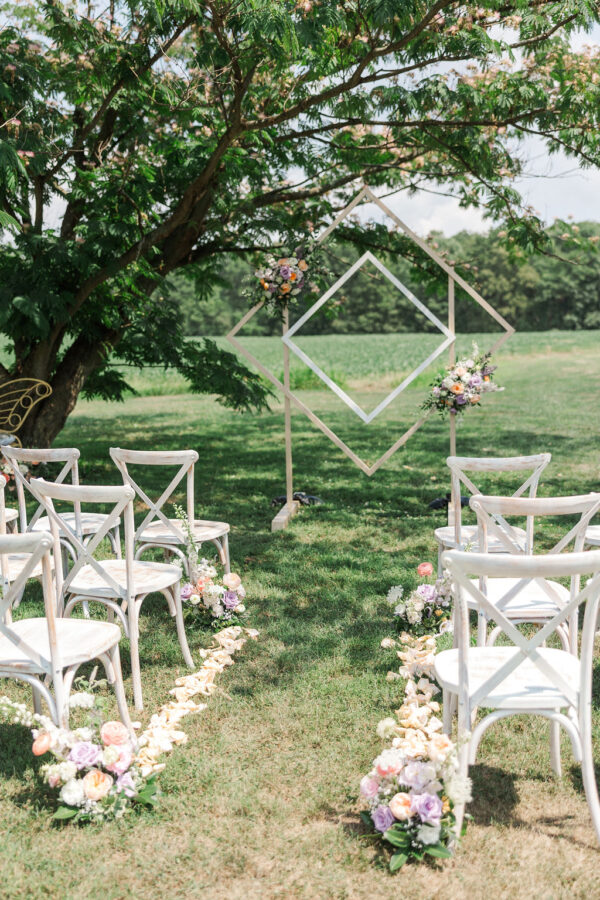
(544,291)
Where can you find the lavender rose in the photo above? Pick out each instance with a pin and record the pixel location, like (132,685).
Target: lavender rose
(285,272)
(461,400)
(230,599)
(85,754)
(427,592)
(428,807)
(187,590)
(383,818)
(125,784)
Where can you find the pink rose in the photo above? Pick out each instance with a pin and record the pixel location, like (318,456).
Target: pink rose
(114,733)
(424,569)
(232,581)
(97,784)
(123,762)
(369,787)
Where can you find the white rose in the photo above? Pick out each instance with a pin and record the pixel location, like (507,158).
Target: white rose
(194,599)
(73,793)
(428,834)
(66,771)
(110,755)
(240,608)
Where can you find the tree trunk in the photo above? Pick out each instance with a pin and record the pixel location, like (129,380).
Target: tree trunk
(48,418)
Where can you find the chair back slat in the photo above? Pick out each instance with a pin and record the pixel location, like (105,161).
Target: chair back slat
(460,465)
(527,568)
(121,496)
(185,459)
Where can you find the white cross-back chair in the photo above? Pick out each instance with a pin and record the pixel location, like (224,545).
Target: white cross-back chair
(119,584)
(156,530)
(592,536)
(46,652)
(84,524)
(525,677)
(536,600)
(459,536)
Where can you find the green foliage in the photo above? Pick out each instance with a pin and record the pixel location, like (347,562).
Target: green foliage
(139,140)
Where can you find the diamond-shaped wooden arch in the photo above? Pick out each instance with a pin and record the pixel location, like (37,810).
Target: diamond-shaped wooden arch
(283,517)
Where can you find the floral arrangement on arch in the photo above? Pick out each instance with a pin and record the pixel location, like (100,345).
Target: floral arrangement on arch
(426,609)
(413,785)
(221,602)
(94,769)
(462,385)
(285,278)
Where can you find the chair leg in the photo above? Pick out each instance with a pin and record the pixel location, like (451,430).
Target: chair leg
(439,567)
(463,771)
(481,630)
(37,701)
(588,772)
(181,628)
(119,689)
(447,705)
(226,553)
(555,761)
(134,633)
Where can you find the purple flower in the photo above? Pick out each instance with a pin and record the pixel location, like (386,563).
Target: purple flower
(186,591)
(383,818)
(428,807)
(436,392)
(475,380)
(125,784)
(461,400)
(85,754)
(285,272)
(427,592)
(272,288)
(230,599)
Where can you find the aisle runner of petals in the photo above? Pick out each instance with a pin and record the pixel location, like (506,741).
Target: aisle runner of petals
(163,732)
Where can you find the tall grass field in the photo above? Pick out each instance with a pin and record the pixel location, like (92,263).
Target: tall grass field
(262,801)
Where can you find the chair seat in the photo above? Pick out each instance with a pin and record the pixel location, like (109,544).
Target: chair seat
(14,563)
(77,639)
(592,536)
(147,577)
(157,532)
(90,522)
(468,537)
(532,603)
(526,687)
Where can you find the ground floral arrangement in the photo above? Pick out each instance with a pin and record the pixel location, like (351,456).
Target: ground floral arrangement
(216,602)
(8,474)
(414,784)
(428,608)
(99,771)
(283,279)
(462,385)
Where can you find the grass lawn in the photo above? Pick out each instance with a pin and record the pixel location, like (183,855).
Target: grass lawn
(262,801)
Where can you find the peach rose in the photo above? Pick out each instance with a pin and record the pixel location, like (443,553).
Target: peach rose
(97,784)
(303,265)
(41,744)
(114,733)
(424,569)
(401,807)
(457,389)
(232,581)
(475,398)
(285,288)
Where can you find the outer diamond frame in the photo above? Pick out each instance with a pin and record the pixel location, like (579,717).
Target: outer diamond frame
(367,417)
(453,279)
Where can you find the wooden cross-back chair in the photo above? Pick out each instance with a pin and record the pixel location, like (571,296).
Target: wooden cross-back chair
(531,600)
(460,536)
(47,651)
(83,524)
(156,530)
(11,564)
(17,399)
(121,585)
(525,677)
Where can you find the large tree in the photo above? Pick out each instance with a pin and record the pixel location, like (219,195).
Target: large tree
(142,138)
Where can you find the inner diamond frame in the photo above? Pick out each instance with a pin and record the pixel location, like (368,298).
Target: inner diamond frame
(367,417)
